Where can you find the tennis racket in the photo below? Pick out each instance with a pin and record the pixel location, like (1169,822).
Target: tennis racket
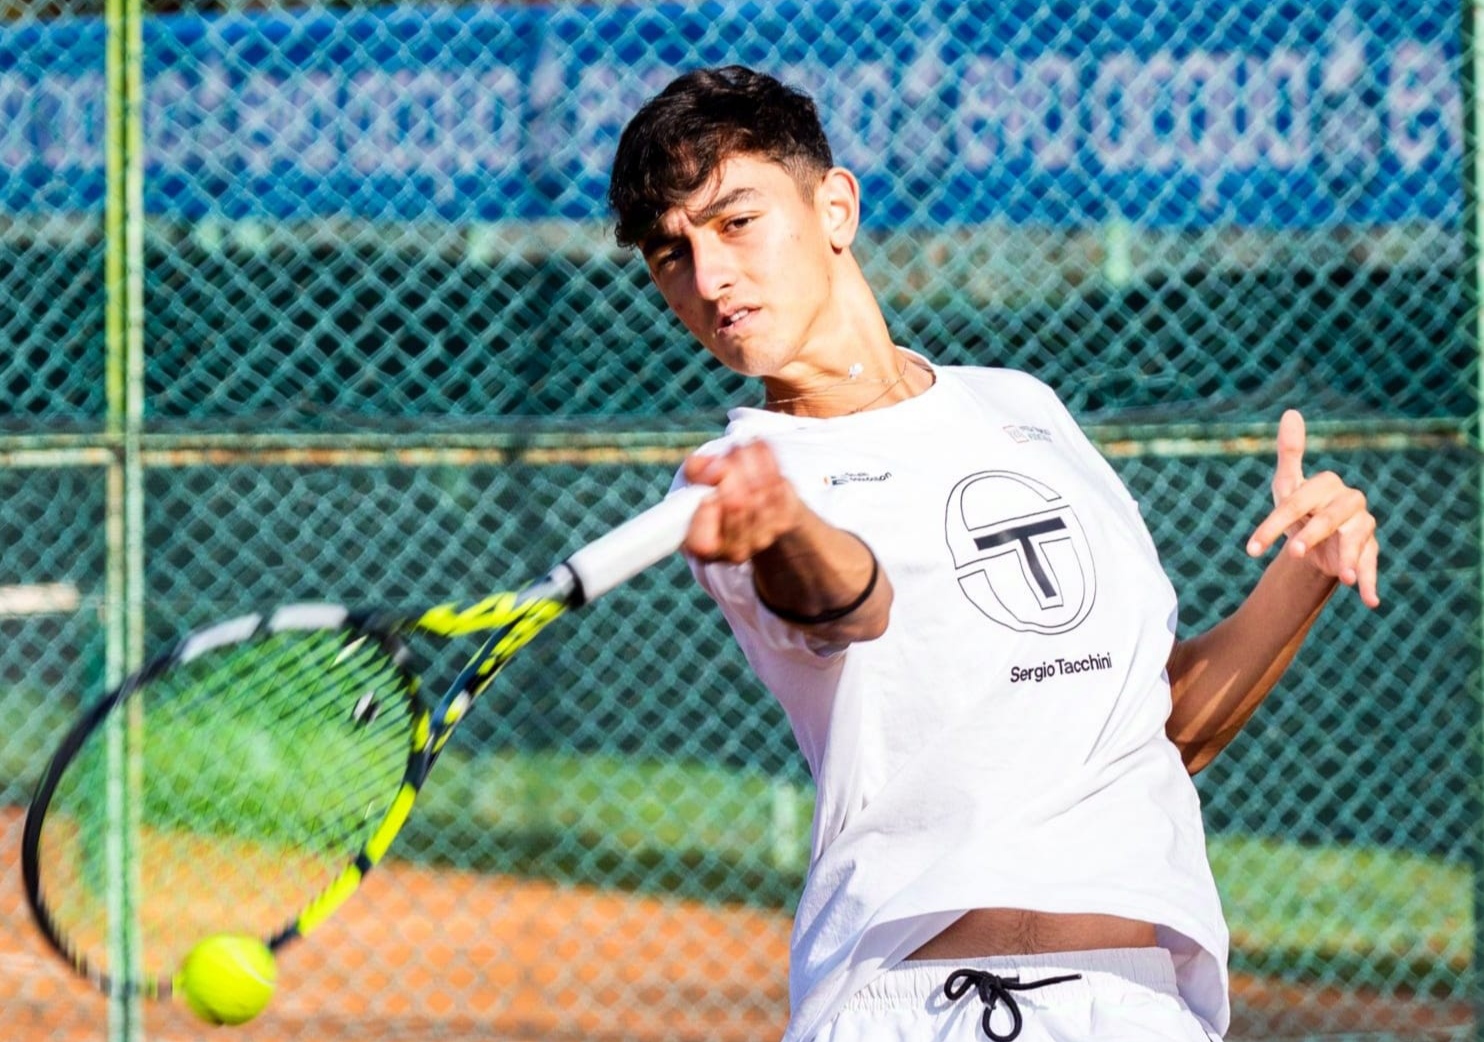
(248,778)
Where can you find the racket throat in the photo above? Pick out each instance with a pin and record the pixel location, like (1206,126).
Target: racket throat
(562,584)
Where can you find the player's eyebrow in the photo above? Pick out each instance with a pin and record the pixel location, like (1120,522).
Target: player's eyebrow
(723,203)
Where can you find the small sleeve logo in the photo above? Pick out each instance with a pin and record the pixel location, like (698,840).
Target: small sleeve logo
(1022,433)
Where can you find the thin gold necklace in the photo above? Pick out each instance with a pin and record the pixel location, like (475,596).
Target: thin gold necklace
(852,379)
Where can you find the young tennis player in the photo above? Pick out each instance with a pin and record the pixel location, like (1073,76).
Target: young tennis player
(963,614)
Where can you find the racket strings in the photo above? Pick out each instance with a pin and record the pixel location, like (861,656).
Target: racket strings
(252,775)
(317,713)
(266,718)
(354,692)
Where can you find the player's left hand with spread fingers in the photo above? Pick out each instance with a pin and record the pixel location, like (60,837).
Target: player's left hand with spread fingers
(1328,523)
(752,507)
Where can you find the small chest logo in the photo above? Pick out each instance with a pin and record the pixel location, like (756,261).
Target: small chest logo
(853,477)
(1020,554)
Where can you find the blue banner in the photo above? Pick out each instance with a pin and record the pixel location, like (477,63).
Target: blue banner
(1177,113)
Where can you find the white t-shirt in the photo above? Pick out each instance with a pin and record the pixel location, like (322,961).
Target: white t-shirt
(1002,744)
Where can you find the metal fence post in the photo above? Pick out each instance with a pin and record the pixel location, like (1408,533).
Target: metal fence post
(124,321)
(1473,180)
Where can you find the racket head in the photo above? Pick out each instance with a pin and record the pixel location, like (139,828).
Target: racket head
(234,778)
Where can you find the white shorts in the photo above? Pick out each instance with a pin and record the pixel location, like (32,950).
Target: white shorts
(1121,995)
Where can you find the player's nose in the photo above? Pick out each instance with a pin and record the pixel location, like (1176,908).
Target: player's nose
(714,271)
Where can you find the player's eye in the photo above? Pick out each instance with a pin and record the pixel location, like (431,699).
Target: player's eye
(667,257)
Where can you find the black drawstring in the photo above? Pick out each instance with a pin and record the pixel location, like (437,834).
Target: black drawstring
(992,988)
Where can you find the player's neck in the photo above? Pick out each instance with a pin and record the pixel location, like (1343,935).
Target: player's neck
(849,362)
(874,381)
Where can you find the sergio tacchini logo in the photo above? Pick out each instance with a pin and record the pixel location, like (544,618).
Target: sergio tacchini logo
(1021,555)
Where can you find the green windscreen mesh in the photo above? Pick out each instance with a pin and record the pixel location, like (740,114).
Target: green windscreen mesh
(388,352)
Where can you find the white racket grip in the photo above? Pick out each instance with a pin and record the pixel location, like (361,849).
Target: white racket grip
(639,542)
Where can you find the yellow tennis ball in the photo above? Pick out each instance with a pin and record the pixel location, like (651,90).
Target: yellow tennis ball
(228,978)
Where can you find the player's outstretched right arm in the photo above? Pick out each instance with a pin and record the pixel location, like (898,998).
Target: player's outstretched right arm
(807,572)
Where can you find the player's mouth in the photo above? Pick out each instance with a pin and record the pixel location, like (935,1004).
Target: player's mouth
(733,322)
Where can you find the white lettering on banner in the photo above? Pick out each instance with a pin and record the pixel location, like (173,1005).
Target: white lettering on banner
(401,122)
(185,118)
(1051,98)
(400,133)
(920,142)
(598,116)
(488,138)
(814,80)
(259,103)
(1206,97)
(1154,94)
(49,129)
(1421,102)
(858,105)
(550,131)
(1112,119)
(410,122)
(311,136)
(70,122)
(1348,135)
(978,129)
(368,135)
(55,121)
(447,121)
(605,97)
(169,106)
(1277,109)
(1205,108)
(1159,114)
(861,104)
(1336,108)
(15,146)
(90,113)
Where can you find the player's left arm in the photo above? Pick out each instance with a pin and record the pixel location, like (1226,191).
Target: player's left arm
(1220,677)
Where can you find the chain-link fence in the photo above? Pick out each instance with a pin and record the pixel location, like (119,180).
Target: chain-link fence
(386,350)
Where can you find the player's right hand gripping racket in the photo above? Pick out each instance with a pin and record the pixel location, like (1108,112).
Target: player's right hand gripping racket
(248,778)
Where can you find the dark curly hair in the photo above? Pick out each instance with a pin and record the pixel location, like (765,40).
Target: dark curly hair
(679,138)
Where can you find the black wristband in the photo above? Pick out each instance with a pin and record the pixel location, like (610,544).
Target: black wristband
(829,614)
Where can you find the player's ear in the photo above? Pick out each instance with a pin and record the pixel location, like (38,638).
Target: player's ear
(837,200)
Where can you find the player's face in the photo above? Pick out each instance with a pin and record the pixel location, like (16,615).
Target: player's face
(746,264)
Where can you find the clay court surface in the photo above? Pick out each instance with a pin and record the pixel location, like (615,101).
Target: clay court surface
(436,955)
